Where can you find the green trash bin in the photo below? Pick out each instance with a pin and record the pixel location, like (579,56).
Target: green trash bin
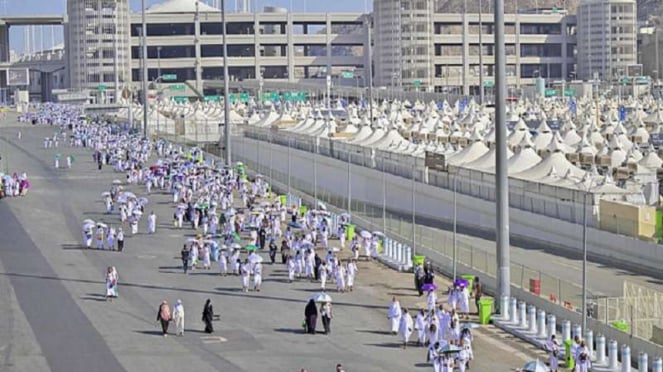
(419,260)
(350,232)
(570,362)
(485,310)
(470,280)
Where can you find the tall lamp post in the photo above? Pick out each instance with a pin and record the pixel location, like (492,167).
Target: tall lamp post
(226,90)
(586,190)
(501,178)
(159,85)
(144,82)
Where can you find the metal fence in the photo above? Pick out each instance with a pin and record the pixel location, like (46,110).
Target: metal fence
(437,245)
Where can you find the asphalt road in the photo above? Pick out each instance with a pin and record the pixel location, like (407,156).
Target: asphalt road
(56,318)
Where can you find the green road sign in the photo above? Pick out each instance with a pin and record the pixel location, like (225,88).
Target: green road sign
(569,93)
(488,83)
(625,80)
(554,9)
(417,83)
(347,75)
(270,97)
(168,77)
(180,99)
(177,87)
(295,96)
(101,87)
(212,98)
(550,92)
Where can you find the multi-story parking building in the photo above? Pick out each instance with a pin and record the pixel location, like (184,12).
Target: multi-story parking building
(443,50)
(184,39)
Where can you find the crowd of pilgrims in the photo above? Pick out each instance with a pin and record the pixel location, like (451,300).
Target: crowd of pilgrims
(14,185)
(203,194)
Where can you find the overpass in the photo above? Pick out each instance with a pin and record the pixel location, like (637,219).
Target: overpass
(24,20)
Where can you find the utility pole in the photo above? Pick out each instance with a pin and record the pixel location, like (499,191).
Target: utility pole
(226,90)
(501,176)
(144,82)
(370,69)
(481,92)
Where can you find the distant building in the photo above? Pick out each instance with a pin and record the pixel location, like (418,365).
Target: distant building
(421,50)
(184,40)
(97,44)
(607,38)
(47,71)
(650,44)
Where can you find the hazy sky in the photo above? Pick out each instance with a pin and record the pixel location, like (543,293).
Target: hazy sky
(58,7)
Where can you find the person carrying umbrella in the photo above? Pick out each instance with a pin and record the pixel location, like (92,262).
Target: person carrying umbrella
(311,317)
(326,313)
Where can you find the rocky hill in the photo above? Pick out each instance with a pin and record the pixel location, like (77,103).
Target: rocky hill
(646,8)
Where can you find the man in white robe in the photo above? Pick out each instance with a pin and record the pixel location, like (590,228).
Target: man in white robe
(178,317)
(406,327)
(257,276)
(394,314)
(151,223)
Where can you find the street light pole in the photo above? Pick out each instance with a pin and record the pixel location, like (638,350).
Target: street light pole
(501,169)
(350,181)
(455,246)
(414,213)
(226,90)
(481,92)
(144,82)
(158,86)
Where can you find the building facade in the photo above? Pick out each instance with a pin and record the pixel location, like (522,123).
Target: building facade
(184,39)
(97,35)
(607,38)
(447,51)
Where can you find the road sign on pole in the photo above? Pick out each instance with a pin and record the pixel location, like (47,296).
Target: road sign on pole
(417,83)
(348,75)
(169,77)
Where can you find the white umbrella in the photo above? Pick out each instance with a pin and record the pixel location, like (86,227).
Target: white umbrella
(535,366)
(137,212)
(117,182)
(236,246)
(88,226)
(105,194)
(306,245)
(322,206)
(379,234)
(102,225)
(365,234)
(321,297)
(88,222)
(254,258)
(129,195)
(143,201)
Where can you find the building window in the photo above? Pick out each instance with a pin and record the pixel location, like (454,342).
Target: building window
(234,28)
(164,29)
(540,50)
(448,50)
(235,73)
(234,50)
(540,29)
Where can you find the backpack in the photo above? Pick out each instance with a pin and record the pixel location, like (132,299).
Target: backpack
(164,312)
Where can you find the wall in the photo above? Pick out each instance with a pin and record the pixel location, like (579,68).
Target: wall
(436,203)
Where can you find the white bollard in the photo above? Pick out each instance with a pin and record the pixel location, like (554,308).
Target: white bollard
(552,325)
(408,257)
(657,365)
(613,352)
(600,349)
(399,252)
(576,331)
(504,307)
(566,330)
(513,310)
(626,358)
(531,318)
(589,341)
(643,362)
(522,314)
(541,324)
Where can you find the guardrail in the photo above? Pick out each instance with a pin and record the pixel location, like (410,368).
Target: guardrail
(400,253)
